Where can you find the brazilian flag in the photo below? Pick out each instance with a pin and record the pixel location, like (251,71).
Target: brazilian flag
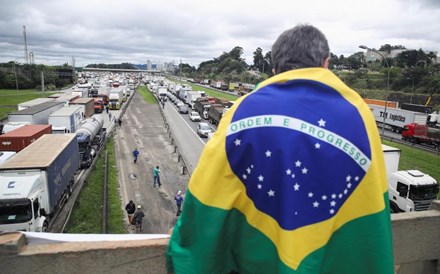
(293,181)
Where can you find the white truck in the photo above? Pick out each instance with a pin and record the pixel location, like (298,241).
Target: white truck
(33,102)
(36,115)
(36,181)
(408,190)
(191,97)
(115,99)
(66,119)
(395,118)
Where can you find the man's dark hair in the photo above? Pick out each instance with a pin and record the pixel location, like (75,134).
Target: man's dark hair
(303,46)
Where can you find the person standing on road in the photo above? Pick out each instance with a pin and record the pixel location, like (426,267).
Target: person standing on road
(156,176)
(120,121)
(106,108)
(135,155)
(130,208)
(179,201)
(138,215)
(110,116)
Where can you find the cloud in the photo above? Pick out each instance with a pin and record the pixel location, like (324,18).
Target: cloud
(113,31)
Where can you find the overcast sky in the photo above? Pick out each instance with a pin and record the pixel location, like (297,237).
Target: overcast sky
(194,31)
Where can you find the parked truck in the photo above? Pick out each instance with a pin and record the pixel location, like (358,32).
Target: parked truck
(377,102)
(36,115)
(202,106)
(215,113)
(66,119)
(191,97)
(416,108)
(98,105)
(36,181)
(408,190)
(32,103)
(396,119)
(115,99)
(90,137)
(421,134)
(87,106)
(17,139)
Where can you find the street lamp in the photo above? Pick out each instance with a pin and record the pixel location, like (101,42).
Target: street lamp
(388,85)
(15,74)
(412,90)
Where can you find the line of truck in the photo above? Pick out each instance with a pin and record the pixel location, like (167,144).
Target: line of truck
(36,181)
(413,125)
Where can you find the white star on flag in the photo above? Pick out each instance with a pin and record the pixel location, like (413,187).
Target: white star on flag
(293,175)
(333,196)
(296,186)
(237,142)
(349,185)
(271,193)
(298,163)
(310,194)
(260,178)
(340,196)
(288,172)
(356,178)
(332,203)
(244,176)
(304,171)
(345,191)
(315,204)
(321,123)
(348,178)
(259,186)
(248,170)
(268,153)
(332,211)
(324,197)
(317,145)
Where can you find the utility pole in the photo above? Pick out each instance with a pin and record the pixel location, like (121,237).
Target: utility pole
(42,81)
(25,45)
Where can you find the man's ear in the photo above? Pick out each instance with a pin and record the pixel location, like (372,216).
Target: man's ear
(326,63)
(273,71)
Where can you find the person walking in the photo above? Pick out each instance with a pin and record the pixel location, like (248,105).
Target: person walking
(293,181)
(138,216)
(135,155)
(120,121)
(110,116)
(106,108)
(179,200)
(156,177)
(130,208)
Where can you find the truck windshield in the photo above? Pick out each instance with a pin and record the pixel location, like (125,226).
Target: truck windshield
(426,192)
(15,211)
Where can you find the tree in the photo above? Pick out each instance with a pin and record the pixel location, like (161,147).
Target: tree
(258,59)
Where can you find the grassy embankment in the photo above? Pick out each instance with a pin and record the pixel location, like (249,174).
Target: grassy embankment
(10,98)
(87,214)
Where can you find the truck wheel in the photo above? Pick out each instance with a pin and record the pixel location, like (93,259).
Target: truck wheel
(45,227)
(393,208)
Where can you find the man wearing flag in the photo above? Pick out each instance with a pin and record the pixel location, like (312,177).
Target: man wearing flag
(293,181)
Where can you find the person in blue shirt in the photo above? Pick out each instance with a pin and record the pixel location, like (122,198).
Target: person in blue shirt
(179,201)
(135,155)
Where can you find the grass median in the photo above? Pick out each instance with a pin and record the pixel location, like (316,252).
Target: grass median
(148,96)
(87,215)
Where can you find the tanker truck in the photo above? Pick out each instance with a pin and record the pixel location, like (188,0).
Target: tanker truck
(90,136)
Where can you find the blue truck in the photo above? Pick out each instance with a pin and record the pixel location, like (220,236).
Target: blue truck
(36,181)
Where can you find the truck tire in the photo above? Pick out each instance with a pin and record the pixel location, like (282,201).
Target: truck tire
(45,227)
(394,208)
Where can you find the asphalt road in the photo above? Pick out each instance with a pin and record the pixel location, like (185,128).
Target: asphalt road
(143,127)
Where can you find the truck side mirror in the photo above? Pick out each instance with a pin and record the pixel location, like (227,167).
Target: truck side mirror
(42,212)
(402,194)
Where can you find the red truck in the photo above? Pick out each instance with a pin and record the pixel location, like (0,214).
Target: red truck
(417,134)
(104,98)
(19,138)
(99,105)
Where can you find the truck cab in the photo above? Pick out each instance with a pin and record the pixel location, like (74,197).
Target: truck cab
(411,190)
(23,203)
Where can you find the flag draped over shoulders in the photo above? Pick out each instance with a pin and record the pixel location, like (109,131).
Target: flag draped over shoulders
(293,181)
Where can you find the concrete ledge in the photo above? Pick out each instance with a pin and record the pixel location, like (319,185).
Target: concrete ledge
(134,256)
(415,237)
